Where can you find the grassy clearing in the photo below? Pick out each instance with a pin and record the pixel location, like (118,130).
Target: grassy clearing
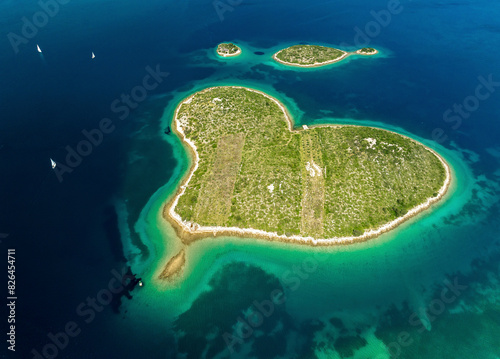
(313,186)
(214,204)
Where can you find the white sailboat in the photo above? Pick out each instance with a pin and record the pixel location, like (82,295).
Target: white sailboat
(52,163)
(93,56)
(38,48)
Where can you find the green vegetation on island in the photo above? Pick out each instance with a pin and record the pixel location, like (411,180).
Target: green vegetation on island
(308,54)
(228,49)
(322,182)
(367,51)
(314,55)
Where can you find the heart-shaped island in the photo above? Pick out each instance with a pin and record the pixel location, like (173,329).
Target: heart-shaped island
(254,175)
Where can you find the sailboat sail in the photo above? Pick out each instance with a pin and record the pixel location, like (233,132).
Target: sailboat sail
(38,48)
(93,56)
(52,163)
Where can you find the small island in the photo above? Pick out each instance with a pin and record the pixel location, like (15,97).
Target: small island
(253,174)
(315,56)
(367,51)
(228,49)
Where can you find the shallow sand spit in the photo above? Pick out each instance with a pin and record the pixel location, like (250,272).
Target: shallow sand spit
(173,266)
(189,232)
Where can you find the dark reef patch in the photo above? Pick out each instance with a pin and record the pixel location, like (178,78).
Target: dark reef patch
(217,312)
(346,346)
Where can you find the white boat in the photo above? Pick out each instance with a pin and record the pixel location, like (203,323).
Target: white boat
(93,56)
(52,163)
(38,48)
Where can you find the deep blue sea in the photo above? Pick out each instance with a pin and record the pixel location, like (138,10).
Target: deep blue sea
(436,79)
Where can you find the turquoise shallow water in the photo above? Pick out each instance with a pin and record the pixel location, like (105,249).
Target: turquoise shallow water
(358,284)
(388,297)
